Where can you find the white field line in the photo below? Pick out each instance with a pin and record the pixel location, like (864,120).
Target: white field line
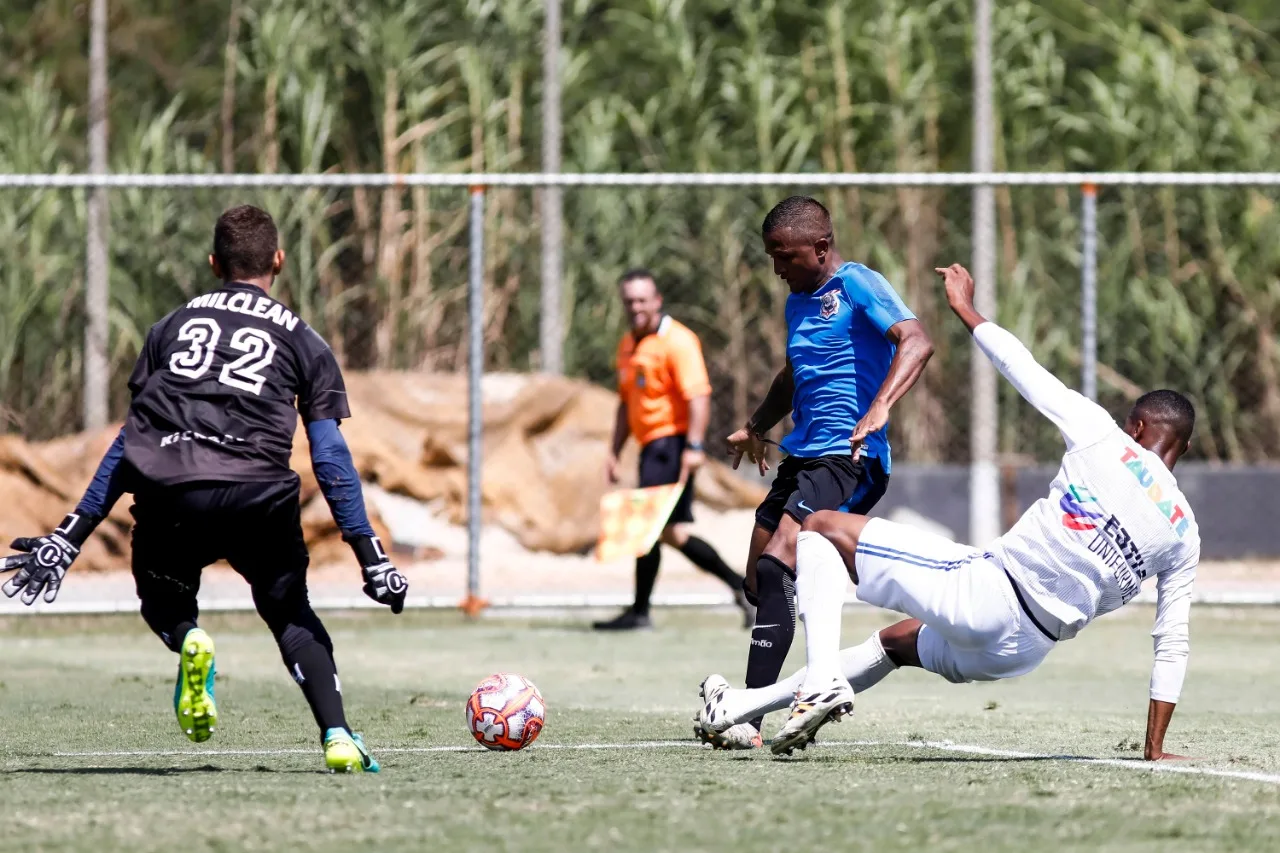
(1126,763)
(192,753)
(941,746)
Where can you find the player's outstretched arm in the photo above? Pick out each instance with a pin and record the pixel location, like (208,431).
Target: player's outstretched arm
(340,483)
(43,561)
(1081,421)
(1158,716)
(1172,642)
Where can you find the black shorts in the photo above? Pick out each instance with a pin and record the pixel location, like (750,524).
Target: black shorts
(804,486)
(256,527)
(660,462)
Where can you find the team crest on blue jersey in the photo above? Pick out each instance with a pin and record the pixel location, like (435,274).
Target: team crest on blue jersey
(830,305)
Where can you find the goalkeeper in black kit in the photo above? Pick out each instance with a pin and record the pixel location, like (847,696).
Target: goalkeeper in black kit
(205,449)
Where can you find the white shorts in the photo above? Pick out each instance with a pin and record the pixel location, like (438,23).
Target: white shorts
(975,629)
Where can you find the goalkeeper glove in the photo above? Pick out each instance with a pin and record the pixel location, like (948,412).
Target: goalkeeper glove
(45,559)
(383,582)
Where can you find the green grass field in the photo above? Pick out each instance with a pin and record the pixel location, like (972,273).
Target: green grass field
(104,685)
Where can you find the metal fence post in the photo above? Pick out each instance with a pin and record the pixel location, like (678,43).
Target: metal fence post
(473,603)
(96,292)
(1089,291)
(551,337)
(984,423)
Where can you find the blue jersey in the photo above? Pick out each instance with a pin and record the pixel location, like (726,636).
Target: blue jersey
(839,358)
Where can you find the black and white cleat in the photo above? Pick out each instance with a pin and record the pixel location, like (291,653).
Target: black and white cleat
(810,712)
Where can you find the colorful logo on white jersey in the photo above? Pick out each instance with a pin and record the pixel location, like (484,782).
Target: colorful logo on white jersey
(1080,510)
(830,305)
(1177,517)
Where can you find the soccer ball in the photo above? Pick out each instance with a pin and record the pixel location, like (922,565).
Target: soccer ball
(506,712)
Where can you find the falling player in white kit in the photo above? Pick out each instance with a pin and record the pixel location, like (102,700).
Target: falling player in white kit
(1113,518)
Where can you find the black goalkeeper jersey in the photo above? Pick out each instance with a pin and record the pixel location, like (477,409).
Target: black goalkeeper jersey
(214,390)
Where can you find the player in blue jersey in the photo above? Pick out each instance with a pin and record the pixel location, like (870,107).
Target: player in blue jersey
(853,350)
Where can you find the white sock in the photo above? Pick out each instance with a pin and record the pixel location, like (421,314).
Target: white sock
(821,581)
(864,665)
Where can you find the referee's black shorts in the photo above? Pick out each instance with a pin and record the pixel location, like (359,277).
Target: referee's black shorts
(805,486)
(256,527)
(660,466)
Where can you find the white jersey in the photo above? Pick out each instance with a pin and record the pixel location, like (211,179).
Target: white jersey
(1114,517)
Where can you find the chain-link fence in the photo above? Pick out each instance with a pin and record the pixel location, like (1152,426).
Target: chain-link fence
(1185,282)
(1183,293)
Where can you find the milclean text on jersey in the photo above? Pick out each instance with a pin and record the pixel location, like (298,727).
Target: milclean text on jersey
(245,303)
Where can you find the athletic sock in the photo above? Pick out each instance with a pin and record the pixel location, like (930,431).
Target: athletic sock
(174,639)
(646,576)
(821,580)
(775,626)
(864,665)
(312,666)
(702,555)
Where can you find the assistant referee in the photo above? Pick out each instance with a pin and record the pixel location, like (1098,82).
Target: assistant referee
(664,400)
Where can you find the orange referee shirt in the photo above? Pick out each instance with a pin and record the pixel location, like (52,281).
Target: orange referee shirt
(657,378)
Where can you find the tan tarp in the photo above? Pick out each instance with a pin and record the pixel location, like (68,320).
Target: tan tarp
(545,441)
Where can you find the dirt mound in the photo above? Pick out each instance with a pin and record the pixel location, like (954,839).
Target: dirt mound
(545,441)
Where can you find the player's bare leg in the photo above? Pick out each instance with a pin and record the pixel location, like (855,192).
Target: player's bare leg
(760,537)
(822,576)
(843,530)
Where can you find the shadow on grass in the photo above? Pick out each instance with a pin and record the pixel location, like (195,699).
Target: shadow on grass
(975,759)
(147,771)
(847,756)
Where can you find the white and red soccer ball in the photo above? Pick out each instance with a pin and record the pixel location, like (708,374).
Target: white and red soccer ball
(506,712)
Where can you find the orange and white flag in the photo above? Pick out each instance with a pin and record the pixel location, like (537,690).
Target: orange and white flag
(631,520)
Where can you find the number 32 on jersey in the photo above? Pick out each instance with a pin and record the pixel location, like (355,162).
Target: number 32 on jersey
(202,334)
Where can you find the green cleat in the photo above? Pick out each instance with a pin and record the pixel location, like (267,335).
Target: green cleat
(193,694)
(344,752)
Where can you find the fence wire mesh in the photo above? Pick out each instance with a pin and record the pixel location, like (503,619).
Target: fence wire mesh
(1186,282)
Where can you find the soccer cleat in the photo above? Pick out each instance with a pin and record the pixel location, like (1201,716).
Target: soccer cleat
(810,712)
(345,752)
(193,694)
(712,716)
(714,727)
(628,620)
(740,737)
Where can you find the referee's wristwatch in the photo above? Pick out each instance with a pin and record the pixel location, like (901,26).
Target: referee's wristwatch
(695,446)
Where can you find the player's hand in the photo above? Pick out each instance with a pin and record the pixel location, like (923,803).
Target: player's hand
(41,566)
(959,286)
(746,443)
(690,461)
(383,582)
(874,420)
(385,585)
(611,470)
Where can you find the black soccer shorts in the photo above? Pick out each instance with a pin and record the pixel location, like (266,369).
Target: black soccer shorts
(256,527)
(805,486)
(660,466)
